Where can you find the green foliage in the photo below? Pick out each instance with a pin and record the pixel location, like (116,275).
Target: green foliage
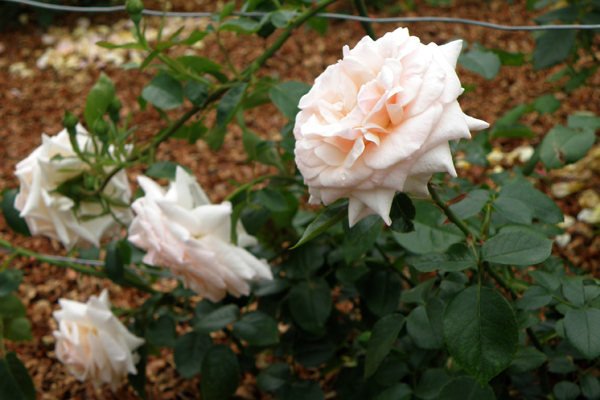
(384,333)
(11,215)
(219,373)
(15,382)
(564,145)
(460,290)
(480,331)
(164,92)
(286,96)
(481,62)
(98,100)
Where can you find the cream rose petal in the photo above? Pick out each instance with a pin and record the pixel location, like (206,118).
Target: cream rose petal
(181,230)
(52,214)
(93,343)
(379,121)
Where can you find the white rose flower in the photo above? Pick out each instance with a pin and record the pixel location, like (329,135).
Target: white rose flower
(379,121)
(93,343)
(181,230)
(52,214)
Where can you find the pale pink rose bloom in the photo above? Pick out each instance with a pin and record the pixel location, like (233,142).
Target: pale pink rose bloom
(181,230)
(379,121)
(50,213)
(93,343)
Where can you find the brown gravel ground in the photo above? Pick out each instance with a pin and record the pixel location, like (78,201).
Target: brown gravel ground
(30,106)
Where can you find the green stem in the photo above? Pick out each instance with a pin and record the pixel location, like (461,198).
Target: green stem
(227,59)
(178,67)
(486,221)
(10,258)
(449,213)
(256,181)
(2,348)
(152,146)
(293,25)
(394,267)
(63,264)
(495,275)
(218,93)
(362,11)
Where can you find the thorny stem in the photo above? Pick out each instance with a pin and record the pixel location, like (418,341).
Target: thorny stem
(8,261)
(449,213)
(486,221)
(227,59)
(256,181)
(495,275)
(20,251)
(397,269)
(219,92)
(363,12)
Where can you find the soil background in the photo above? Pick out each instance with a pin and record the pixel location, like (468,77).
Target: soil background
(35,102)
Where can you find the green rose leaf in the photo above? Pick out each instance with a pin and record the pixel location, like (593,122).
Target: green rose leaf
(162,332)
(384,334)
(471,204)
(513,210)
(527,359)
(10,281)
(543,208)
(466,388)
(310,303)
(257,329)
(217,319)
(189,352)
(400,391)
(382,292)
(563,145)
(523,248)
(274,377)
(566,391)
(483,63)
(164,92)
(11,214)
(590,387)
(286,96)
(552,48)
(164,169)
(328,218)
(219,374)
(581,328)
(15,382)
(458,258)
(481,332)
(533,299)
(424,325)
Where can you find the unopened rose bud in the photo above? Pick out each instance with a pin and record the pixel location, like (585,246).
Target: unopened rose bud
(100,127)
(115,105)
(134,8)
(69,120)
(113,109)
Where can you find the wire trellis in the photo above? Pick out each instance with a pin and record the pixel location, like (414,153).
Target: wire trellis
(346,17)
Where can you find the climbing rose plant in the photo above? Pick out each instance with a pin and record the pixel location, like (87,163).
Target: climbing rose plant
(407,283)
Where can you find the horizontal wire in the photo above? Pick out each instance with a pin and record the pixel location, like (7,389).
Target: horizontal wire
(320,15)
(97,263)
